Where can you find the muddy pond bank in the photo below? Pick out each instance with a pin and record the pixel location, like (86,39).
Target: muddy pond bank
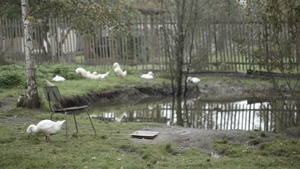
(213,90)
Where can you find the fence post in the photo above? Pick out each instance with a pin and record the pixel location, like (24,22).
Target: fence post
(216,46)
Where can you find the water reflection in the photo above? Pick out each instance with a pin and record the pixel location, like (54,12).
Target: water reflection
(197,113)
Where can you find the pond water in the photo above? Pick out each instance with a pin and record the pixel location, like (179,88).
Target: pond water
(199,113)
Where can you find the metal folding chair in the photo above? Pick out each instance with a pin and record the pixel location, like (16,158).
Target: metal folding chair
(52,94)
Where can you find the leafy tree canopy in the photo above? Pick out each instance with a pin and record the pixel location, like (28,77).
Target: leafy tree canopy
(84,14)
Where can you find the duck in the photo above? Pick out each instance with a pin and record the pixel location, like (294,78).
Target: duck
(119,72)
(148,76)
(102,76)
(82,72)
(58,78)
(89,75)
(46,127)
(193,79)
(98,76)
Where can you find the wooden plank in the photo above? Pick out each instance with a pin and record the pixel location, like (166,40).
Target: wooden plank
(144,134)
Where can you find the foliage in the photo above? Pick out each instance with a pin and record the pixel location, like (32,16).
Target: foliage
(268,22)
(12,76)
(275,27)
(84,15)
(9,80)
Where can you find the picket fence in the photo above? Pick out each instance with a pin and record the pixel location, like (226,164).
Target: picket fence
(217,45)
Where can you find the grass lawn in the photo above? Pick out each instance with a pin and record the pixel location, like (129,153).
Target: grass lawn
(112,148)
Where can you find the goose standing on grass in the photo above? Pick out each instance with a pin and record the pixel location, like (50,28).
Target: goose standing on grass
(119,72)
(58,79)
(148,76)
(193,79)
(46,127)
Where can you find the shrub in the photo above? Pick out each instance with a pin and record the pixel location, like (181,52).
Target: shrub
(10,80)
(60,71)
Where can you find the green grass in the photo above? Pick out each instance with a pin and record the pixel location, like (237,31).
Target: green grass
(112,148)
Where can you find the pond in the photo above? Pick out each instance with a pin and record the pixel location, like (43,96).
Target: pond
(199,113)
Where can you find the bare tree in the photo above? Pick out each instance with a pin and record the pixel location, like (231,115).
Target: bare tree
(179,32)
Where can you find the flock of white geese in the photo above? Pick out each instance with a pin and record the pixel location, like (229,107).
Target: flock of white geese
(118,71)
(94,75)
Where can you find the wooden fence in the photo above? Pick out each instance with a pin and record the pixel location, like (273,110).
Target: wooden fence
(217,45)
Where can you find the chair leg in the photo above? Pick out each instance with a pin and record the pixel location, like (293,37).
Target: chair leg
(75,123)
(66,114)
(91,121)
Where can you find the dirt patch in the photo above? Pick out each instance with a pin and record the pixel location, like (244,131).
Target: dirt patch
(186,138)
(192,138)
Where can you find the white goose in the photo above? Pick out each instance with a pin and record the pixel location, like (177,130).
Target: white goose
(82,72)
(119,71)
(193,79)
(46,127)
(89,75)
(58,78)
(98,76)
(148,76)
(102,76)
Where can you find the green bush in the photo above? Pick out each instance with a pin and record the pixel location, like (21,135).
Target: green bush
(10,80)
(60,71)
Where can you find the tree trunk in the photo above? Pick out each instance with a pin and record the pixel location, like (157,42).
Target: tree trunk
(180,47)
(298,43)
(32,98)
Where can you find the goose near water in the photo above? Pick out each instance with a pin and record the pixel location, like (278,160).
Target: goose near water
(193,79)
(46,127)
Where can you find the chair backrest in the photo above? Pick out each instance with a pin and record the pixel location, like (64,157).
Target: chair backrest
(52,93)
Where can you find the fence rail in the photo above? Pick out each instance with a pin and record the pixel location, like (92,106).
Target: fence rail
(217,45)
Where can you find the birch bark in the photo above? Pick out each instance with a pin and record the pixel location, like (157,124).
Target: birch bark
(32,98)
